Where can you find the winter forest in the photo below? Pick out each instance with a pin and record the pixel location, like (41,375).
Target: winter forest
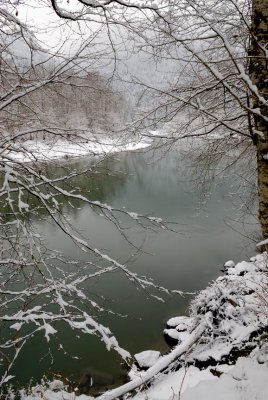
(133,199)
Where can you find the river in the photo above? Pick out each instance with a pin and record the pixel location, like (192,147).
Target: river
(185,257)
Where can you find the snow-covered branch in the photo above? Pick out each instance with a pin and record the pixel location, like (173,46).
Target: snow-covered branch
(158,367)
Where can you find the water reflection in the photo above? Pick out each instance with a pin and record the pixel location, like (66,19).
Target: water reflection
(186,260)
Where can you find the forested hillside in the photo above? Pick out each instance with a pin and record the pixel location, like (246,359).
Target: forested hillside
(39,96)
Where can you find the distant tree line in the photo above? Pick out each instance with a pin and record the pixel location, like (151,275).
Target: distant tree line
(36,97)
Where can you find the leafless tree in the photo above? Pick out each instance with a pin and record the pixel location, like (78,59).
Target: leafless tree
(218,88)
(39,89)
(219,91)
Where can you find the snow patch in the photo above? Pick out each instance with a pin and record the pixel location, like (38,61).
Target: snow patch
(147,359)
(32,150)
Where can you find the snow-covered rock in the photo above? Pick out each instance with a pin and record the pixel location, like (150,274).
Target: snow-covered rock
(178,329)
(147,359)
(180,323)
(229,264)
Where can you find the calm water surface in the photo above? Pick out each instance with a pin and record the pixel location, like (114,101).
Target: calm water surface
(186,260)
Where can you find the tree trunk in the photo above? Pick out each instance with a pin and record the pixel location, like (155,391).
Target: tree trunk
(258,70)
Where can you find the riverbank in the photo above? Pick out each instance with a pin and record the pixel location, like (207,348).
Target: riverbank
(228,357)
(51,149)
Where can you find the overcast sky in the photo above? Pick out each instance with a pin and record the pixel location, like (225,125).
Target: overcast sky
(47,26)
(51,30)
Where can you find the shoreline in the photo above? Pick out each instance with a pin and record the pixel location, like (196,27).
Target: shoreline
(228,360)
(233,349)
(46,150)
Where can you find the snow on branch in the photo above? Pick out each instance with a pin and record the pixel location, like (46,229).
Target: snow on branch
(27,33)
(158,367)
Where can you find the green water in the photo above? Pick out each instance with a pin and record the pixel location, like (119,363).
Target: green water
(161,185)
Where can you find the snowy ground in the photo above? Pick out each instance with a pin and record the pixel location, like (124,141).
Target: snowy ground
(45,150)
(228,360)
